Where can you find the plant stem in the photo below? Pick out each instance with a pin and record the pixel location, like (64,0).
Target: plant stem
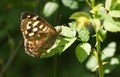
(99,53)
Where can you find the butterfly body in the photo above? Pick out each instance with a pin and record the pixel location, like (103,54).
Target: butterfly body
(38,35)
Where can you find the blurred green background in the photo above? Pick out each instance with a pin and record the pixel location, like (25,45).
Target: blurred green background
(14,62)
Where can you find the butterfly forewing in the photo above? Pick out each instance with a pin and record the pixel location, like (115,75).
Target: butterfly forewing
(38,35)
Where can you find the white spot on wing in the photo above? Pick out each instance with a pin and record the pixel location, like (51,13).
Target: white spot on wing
(28,16)
(25,43)
(35,17)
(45,28)
(35,23)
(36,41)
(41,26)
(30,34)
(30,49)
(29,22)
(26,32)
(35,29)
(22,22)
(28,26)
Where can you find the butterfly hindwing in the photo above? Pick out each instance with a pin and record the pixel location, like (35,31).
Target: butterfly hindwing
(38,35)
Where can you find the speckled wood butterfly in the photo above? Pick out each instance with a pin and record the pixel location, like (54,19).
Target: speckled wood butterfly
(39,36)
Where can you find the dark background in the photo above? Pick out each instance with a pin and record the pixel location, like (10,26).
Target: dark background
(14,62)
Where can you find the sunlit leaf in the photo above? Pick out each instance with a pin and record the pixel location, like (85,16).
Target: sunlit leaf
(102,12)
(111,25)
(76,15)
(82,51)
(91,63)
(72,25)
(68,32)
(83,34)
(96,8)
(50,8)
(72,4)
(114,61)
(108,4)
(109,51)
(81,18)
(96,24)
(114,13)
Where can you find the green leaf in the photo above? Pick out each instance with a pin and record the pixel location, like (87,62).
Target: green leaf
(96,24)
(72,25)
(83,34)
(82,19)
(79,14)
(111,25)
(72,4)
(102,12)
(91,3)
(109,51)
(91,63)
(108,4)
(82,51)
(114,13)
(96,8)
(118,1)
(109,55)
(68,42)
(67,32)
(50,8)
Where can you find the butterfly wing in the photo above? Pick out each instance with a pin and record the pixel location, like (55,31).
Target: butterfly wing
(38,35)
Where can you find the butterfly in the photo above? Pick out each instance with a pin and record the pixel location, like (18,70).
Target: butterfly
(38,34)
